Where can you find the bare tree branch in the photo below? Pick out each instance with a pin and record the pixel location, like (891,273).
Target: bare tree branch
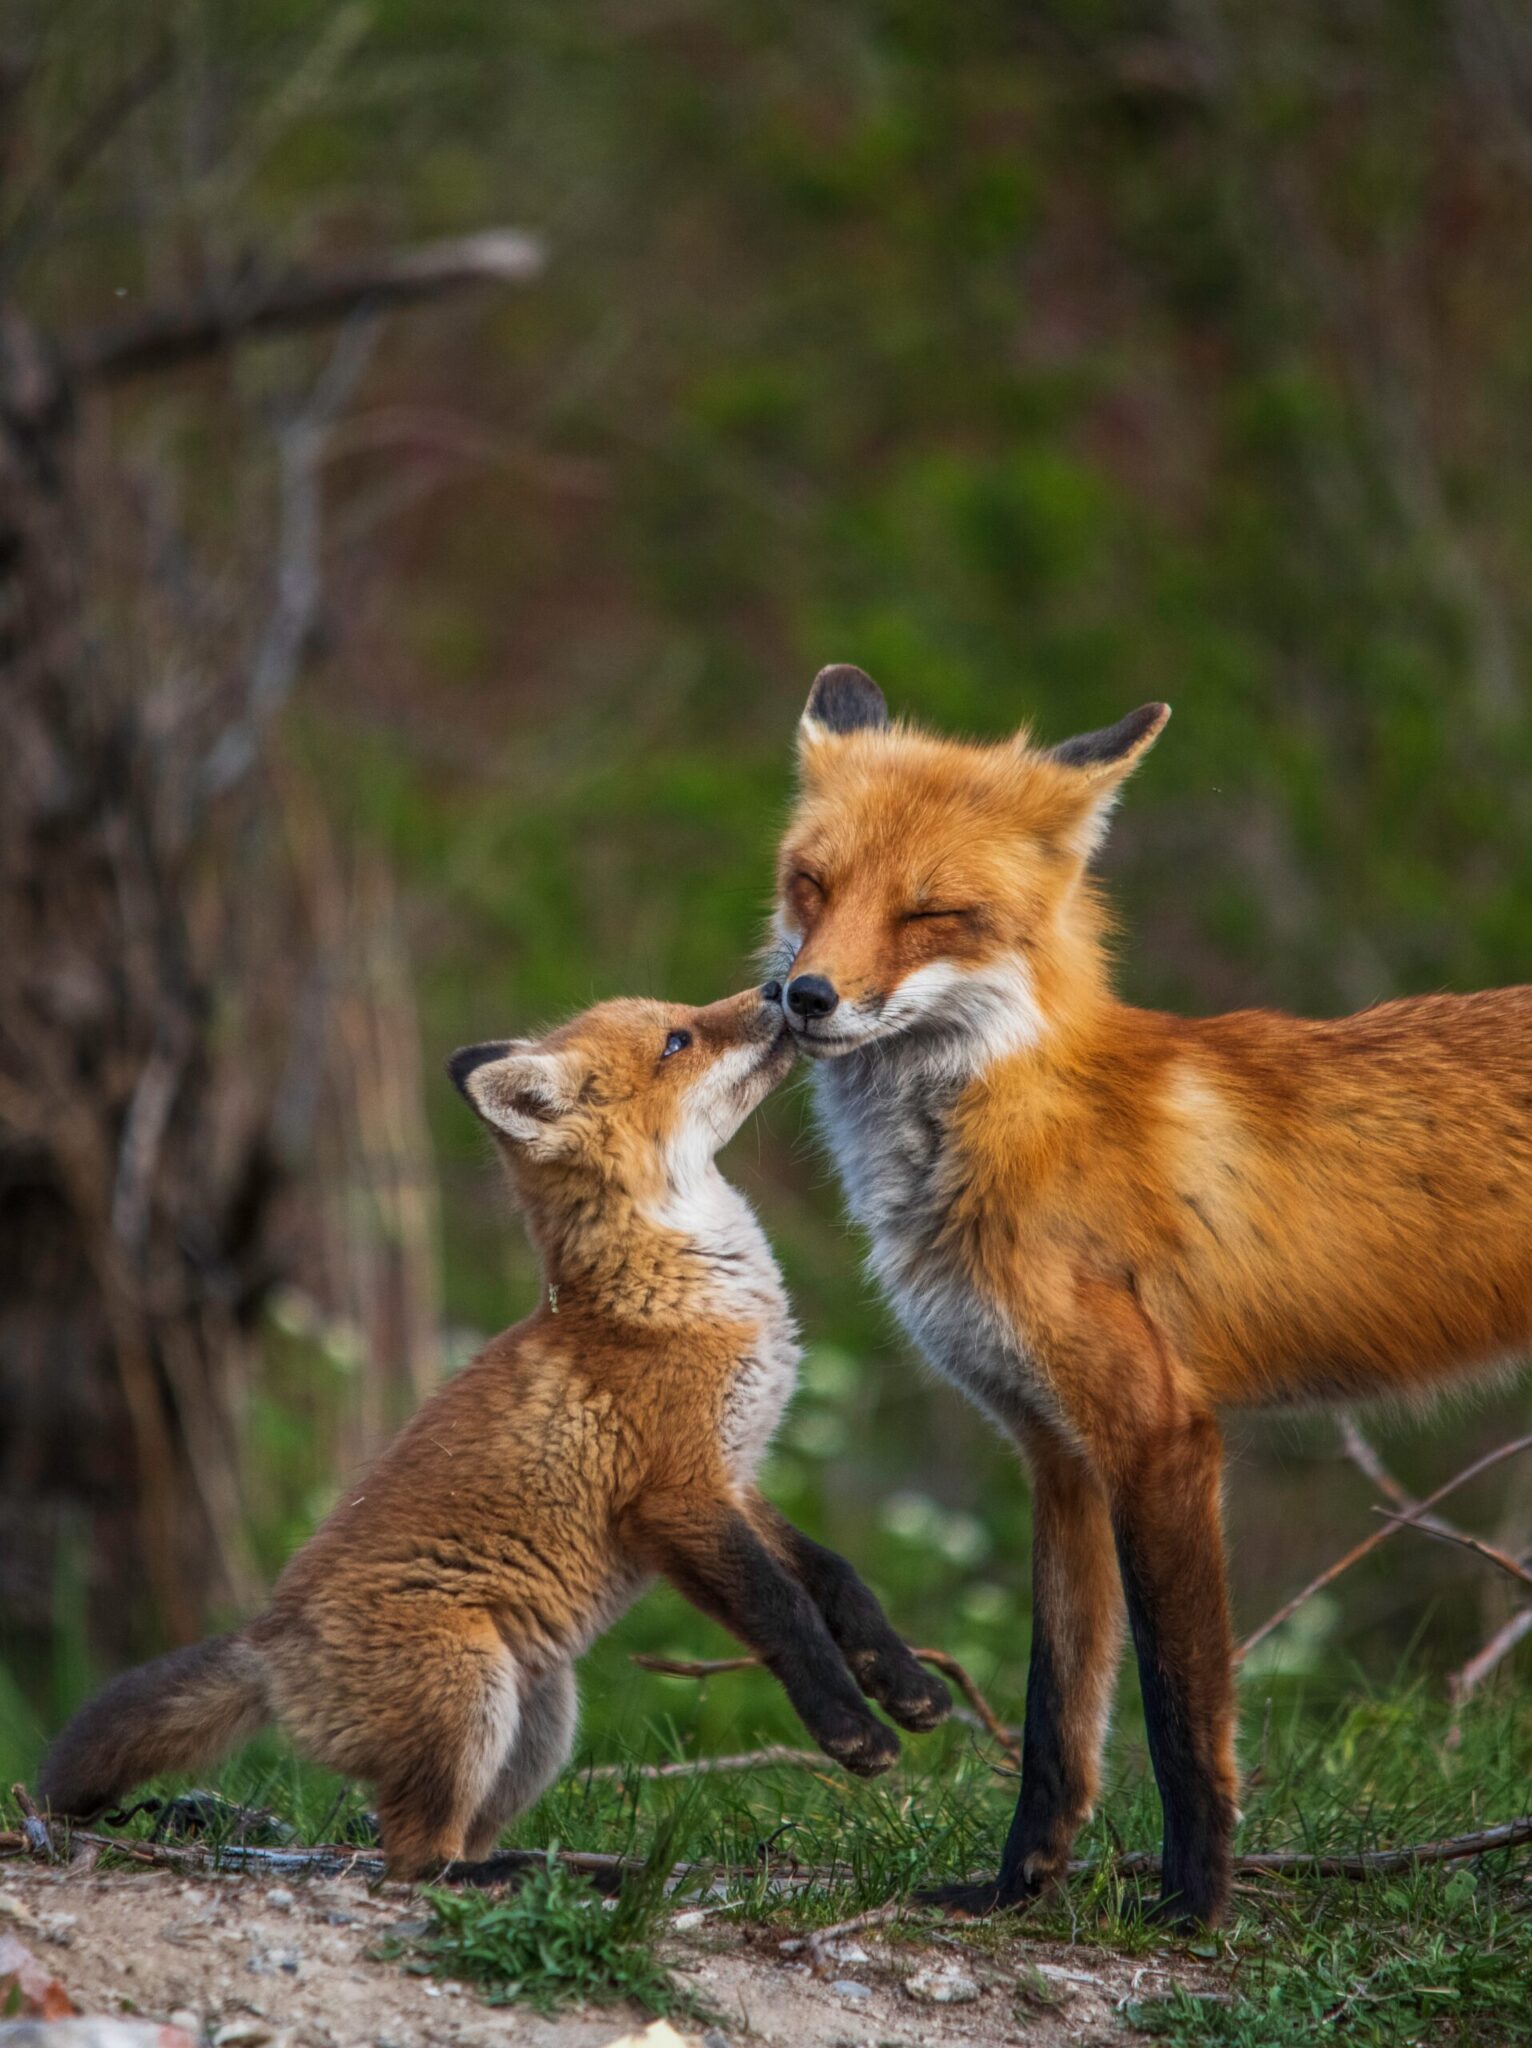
(1371,1543)
(279,654)
(1495,1651)
(1429,1526)
(80,150)
(165,337)
(772,1757)
(1366,1459)
(1360,1451)
(693,1667)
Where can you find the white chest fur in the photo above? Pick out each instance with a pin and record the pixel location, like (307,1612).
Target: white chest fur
(885,1113)
(741,1282)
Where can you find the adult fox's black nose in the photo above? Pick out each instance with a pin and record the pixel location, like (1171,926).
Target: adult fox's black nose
(810,996)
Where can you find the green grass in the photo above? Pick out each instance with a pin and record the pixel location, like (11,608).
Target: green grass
(1436,1955)
(554,1941)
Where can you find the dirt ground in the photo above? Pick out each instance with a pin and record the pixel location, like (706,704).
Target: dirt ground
(241,1962)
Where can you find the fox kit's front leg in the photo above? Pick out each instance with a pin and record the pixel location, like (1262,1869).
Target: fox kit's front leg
(710,1552)
(880,1660)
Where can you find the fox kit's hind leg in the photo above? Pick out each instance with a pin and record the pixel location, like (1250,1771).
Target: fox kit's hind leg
(880,1661)
(709,1551)
(457,1718)
(549,1711)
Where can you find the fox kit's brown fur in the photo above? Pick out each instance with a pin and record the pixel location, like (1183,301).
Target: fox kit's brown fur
(424,1638)
(1108,1224)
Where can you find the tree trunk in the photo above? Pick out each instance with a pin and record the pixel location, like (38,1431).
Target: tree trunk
(135,1198)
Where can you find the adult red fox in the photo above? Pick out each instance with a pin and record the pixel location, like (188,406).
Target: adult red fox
(424,1638)
(1107,1224)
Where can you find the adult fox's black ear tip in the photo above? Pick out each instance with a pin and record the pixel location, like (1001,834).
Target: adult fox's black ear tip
(468,1058)
(846,699)
(1114,743)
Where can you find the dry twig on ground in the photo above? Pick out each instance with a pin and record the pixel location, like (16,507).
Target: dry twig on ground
(333,1860)
(816,1945)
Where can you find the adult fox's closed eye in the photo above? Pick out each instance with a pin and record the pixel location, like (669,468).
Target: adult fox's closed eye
(424,1638)
(1108,1224)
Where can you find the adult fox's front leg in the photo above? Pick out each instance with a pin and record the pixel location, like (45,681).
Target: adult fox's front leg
(1160,1457)
(1165,1514)
(1077,1629)
(1076,1647)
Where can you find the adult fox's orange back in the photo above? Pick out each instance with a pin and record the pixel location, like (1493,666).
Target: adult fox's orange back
(1108,1224)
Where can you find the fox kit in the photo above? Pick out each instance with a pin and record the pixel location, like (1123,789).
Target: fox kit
(424,1638)
(1107,1224)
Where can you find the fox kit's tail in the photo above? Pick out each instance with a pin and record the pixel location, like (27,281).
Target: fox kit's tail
(174,1714)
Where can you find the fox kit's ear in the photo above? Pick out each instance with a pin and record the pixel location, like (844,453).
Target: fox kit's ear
(842,700)
(520,1092)
(1101,763)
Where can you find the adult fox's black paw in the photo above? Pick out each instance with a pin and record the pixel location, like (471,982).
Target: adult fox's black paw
(974,1901)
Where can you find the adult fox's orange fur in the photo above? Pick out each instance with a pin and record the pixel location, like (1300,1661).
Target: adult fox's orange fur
(424,1638)
(1109,1224)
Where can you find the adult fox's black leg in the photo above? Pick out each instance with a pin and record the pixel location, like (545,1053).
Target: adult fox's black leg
(1170,1546)
(1076,1644)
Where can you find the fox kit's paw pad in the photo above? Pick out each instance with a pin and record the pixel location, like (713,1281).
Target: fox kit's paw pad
(921,1701)
(864,1747)
(902,1686)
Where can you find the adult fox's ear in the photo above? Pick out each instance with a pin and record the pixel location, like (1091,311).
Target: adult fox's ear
(520,1092)
(843,699)
(1116,749)
(1100,763)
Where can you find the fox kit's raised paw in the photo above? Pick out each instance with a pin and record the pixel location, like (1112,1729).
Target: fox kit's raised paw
(866,1747)
(902,1686)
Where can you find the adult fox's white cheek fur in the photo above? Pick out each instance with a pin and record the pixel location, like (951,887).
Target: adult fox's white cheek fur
(964,1016)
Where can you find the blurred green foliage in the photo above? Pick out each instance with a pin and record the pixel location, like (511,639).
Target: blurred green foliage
(1043,361)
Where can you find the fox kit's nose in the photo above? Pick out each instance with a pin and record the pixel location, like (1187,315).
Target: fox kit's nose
(810,996)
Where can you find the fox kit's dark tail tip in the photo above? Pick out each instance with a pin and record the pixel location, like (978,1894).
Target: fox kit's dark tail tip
(177,1713)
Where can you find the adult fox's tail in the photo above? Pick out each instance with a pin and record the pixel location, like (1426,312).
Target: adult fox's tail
(174,1714)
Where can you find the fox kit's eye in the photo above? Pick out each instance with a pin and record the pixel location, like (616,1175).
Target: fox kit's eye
(930,916)
(678,1041)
